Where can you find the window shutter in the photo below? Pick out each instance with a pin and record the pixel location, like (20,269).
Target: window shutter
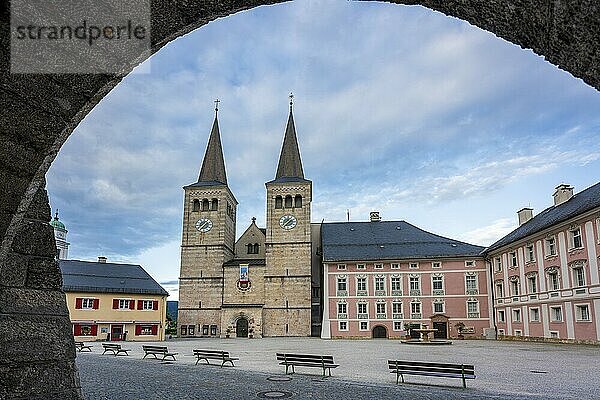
(154,329)
(138,330)
(77,330)
(131,304)
(115,304)
(94,330)
(140,305)
(155,305)
(78,302)
(96,304)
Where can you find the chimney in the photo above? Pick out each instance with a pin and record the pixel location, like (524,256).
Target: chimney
(102,260)
(563,193)
(375,216)
(525,214)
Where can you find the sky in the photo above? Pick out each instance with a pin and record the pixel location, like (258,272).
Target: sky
(398,109)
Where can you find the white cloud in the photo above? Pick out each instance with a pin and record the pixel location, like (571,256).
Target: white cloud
(489,234)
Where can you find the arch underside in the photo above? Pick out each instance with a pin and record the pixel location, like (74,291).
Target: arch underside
(39,112)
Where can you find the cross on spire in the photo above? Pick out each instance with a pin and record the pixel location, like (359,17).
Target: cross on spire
(217,101)
(291,96)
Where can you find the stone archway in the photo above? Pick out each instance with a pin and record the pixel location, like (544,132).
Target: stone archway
(39,112)
(241,327)
(379,332)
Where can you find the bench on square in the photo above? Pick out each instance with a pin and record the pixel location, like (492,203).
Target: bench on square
(306,360)
(401,368)
(158,351)
(116,349)
(80,346)
(214,355)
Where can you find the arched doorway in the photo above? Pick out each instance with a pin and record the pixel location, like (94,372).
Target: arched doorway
(241,327)
(380,332)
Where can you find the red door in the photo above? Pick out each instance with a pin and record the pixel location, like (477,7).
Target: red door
(116,333)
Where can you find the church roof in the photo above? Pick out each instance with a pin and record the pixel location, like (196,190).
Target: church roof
(56,224)
(388,240)
(213,165)
(289,168)
(95,277)
(580,203)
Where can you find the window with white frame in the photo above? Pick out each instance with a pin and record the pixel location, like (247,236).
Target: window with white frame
(436,264)
(518,332)
(360,266)
(343,325)
(498,264)
(534,314)
(500,332)
(342,309)
(361,285)
(530,251)
(501,316)
(582,312)
(395,266)
(341,266)
(556,314)
(413,265)
(550,246)
(378,266)
(87,304)
(124,304)
(554,334)
(553,279)
(415,310)
(437,284)
(397,309)
(532,283)
(516,315)
(575,238)
(499,289)
(438,307)
(513,259)
(469,263)
(147,304)
(598,228)
(361,309)
(471,285)
(342,284)
(396,285)
(514,286)
(472,308)
(578,276)
(380,310)
(415,285)
(364,325)
(379,284)
(397,325)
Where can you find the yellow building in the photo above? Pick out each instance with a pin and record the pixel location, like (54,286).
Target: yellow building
(115,302)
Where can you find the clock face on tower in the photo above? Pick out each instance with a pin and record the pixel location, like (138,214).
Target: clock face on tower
(288,222)
(204,225)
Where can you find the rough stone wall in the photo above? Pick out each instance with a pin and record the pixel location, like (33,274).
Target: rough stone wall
(40,111)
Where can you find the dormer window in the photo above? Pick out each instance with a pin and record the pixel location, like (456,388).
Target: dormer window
(278,202)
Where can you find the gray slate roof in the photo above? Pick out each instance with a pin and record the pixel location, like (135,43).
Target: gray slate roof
(213,165)
(290,164)
(94,277)
(580,203)
(388,240)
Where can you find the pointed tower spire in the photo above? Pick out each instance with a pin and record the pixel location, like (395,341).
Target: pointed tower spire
(213,165)
(290,164)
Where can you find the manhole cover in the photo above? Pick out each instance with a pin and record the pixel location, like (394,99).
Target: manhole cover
(274,394)
(279,378)
(539,372)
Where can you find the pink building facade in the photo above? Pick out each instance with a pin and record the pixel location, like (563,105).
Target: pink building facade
(545,273)
(406,278)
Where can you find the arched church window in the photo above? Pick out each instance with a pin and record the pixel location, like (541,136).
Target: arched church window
(288,201)
(256,248)
(196,205)
(298,201)
(250,248)
(278,202)
(214,204)
(205,204)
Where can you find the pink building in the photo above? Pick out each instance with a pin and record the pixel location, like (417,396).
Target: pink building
(545,273)
(383,278)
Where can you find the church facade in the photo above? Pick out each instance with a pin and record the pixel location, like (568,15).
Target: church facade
(261,284)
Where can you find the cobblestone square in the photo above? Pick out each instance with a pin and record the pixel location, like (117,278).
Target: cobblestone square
(505,370)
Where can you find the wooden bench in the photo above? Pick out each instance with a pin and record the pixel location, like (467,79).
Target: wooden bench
(214,355)
(116,349)
(156,351)
(306,360)
(401,368)
(80,346)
